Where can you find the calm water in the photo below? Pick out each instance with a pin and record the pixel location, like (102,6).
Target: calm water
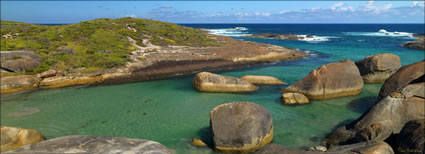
(172,112)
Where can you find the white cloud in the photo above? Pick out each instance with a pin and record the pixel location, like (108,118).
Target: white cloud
(336,6)
(264,14)
(283,12)
(416,3)
(371,7)
(315,8)
(131,15)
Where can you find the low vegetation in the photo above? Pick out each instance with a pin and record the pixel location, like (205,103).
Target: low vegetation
(95,44)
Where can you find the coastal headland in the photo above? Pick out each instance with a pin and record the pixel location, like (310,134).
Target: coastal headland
(110,51)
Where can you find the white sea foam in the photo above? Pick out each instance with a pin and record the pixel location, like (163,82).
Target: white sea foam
(229,32)
(382,33)
(315,39)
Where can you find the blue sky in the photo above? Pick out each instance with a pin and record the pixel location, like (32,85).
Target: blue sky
(217,11)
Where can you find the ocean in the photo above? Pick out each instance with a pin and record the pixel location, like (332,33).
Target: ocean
(172,112)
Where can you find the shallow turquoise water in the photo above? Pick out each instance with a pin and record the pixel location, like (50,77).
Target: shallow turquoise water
(172,112)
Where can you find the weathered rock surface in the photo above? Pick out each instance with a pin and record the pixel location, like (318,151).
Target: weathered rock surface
(19,61)
(294,98)
(412,138)
(13,137)
(413,73)
(359,148)
(385,118)
(94,144)
(265,80)
(198,142)
(209,82)
(46,74)
(240,127)
(377,68)
(418,44)
(330,81)
(64,81)
(12,84)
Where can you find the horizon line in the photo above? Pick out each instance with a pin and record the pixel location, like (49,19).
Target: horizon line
(242,23)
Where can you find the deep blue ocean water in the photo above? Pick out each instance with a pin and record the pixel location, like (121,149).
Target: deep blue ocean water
(171,112)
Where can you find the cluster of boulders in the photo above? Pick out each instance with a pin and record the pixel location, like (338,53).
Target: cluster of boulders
(396,118)
(210,82)
(279,36)
(394,124)
(20,140)
(344,78)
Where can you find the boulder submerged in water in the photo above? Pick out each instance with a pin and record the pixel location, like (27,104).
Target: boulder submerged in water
(240,127)
(12,84)
(94,144)
(377,68)
(330,81)
(209,82)
(13,137)
(294,98)
(264,80)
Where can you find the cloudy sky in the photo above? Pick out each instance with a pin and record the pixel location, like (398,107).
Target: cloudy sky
(217,11)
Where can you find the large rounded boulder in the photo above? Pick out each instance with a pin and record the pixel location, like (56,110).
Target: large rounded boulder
(385,118)
(330,81)
(240,127)
(94,144)
(413,73)
(412,137)
(209,82)
(13,137)
(377,68)
(19,61)
(12,84)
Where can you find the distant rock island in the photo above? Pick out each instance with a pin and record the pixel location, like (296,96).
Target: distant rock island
(418,44)
(279,36)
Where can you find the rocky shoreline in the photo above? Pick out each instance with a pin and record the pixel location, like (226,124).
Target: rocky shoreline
(279,36)
(166,61)
(418,44)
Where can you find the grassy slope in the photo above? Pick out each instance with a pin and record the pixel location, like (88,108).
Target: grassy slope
(96,44)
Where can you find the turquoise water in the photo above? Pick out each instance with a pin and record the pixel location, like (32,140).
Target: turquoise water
(172,112)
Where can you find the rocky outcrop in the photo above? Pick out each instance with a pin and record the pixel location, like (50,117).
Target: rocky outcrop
(413,73)
(377,68)
(19,61)
(294,98)
(278,36)
(65,81)
(240,127)
(46,74)
(12,84)
(264,80)
(412,138)
(330,81)
(209,82)
(94,144)
(385,118)
(359,148)
(418,44)
(13,137)
(198,142)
